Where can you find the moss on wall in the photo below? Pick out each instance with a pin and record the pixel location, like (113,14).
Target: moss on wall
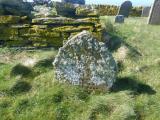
(9,19)
(44,32)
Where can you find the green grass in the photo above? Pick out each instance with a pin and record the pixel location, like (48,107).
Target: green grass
(32,93)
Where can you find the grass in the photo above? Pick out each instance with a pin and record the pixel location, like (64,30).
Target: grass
(31,92)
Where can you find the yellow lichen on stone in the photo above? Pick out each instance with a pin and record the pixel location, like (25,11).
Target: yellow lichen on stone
(7,33)
(70,29)
(9,19)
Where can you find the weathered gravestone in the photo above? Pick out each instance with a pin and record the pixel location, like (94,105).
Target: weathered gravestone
(125,8)
(81,2)
(154,17)
(119,19)
(145,11)
(86,62)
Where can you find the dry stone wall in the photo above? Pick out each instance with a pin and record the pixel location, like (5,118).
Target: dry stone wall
(16,31)
(44,24)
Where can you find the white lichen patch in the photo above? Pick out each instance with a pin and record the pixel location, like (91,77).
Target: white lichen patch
(84,61)
(30,62)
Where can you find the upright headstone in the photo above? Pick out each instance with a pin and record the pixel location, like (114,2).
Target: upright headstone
(125,8)
(119,19)
(145,11)
(81,2)
(85,62)
(154,17)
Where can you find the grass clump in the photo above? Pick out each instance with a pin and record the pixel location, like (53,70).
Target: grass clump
(21,105)
(61,113)
(134,96)
(107,25)
(58,97)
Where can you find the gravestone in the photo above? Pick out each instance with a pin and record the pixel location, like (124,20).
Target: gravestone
(85,62)
(81,2)
(154,17)
(119,19)
(145,11)
(125,8)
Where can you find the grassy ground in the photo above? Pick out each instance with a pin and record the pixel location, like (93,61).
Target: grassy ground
(28,89)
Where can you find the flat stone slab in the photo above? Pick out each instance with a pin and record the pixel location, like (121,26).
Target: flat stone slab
(64,21)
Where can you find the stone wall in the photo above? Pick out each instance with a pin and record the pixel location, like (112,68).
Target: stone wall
(44,25)
(16,31)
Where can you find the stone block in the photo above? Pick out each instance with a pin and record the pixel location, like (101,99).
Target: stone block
(119,19)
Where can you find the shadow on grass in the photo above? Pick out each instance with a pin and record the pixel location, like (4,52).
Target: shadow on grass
(44,65)
(20,87)
(115,42)
(2,63)
(129,83)
(21,70)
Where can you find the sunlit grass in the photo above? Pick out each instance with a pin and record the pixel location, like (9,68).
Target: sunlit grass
(32,93)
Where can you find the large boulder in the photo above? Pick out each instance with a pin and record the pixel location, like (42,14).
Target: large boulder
(86,62)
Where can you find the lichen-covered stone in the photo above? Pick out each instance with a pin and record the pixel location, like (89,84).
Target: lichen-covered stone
(8,19)
(70,29)
(62,21)
(86,62)
(49,20)
(44,11)
(86,12)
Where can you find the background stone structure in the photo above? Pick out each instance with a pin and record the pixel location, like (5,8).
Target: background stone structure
(125,8)
(81,2)
(154,17)
(145,11)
